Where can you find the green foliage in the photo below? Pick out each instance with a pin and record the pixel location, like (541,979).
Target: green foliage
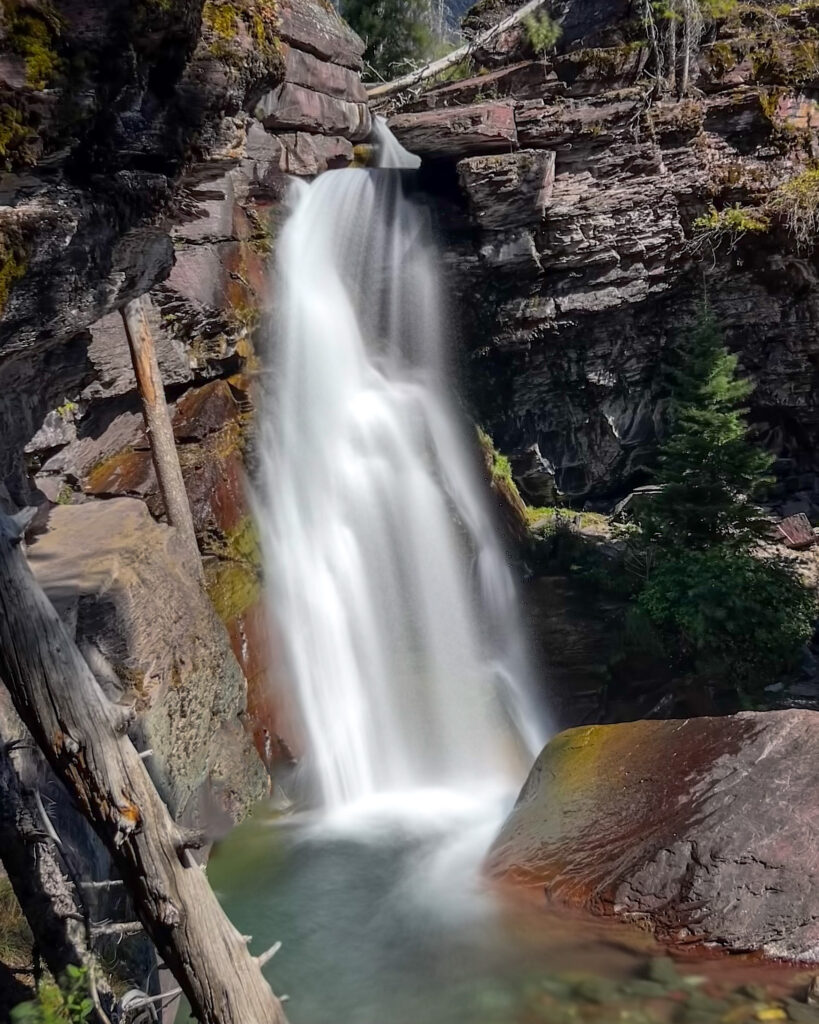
(32,37)
(716,10)
(719,607)
(12,267)
(731,223)
(542,33)
(16,940)
(730,613)
(397,33)
(68,1004)
(709,471)
(797,202)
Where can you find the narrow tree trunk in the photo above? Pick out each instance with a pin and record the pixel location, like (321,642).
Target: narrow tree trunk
(160,431)
(686,47)
(671,54)
(437,66)
(43,889)
(84,738)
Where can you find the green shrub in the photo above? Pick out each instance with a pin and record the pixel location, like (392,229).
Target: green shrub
(720,608)
(797,202)
(729,613)
(68,1004)
(542,33)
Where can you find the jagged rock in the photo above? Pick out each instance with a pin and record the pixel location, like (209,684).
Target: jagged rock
(457,132)
(303,69)
(291,107)
(115,576)
(719,851)
(508,190)
(568,333)
(317,28)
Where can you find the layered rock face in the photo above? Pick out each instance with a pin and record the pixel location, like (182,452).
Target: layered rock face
(146,149)
(572,191)
(719,851)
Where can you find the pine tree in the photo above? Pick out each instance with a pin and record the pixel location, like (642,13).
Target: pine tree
(709,471)
(720,608)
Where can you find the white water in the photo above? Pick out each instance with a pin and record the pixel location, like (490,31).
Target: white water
(390,591)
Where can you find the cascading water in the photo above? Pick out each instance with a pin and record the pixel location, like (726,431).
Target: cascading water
(389,587)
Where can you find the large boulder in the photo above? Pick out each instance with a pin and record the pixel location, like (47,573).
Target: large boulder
(153,640)
(704,828)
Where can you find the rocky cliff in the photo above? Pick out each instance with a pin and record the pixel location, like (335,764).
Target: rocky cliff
(593,197)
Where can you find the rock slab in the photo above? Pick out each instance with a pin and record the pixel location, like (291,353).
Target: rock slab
(704,828)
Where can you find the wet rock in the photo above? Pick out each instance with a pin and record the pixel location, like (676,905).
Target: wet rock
(704,828)
(116,577)
(458,132)
(203,411)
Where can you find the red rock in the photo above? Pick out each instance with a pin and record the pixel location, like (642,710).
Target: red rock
(458,131)
(202,411)
(704,828)
(797,531)
(304,69)
(317,28)
(294,108)
(508,190)
(531,79)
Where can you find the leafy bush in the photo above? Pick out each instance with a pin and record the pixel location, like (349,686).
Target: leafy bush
(729,613)
(68,1004)
(542,33)
(397,33)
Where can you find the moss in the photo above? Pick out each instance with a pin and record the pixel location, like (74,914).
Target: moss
(499,465)
(220,18)
(32,37)
(234,578)
(797,203)
(733,220)
(13,264)
(66,494)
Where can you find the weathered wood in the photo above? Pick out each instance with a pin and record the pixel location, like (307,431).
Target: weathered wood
(378,92)
(84,738)
(40,882)
(160,431)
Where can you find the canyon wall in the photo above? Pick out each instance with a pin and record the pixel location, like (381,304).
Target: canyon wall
(588,213)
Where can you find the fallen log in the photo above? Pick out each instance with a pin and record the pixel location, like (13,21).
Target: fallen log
(84,738)
(436,67)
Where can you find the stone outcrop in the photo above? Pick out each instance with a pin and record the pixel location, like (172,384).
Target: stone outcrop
(134,161)
(573,295)
(154,642)
(719,851)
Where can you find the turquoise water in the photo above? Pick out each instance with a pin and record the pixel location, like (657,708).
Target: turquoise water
(385,920)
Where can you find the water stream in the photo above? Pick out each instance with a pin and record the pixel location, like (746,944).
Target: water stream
(390,591)
(399,621)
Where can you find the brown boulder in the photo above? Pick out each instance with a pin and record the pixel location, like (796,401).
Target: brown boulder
(458,131)
(317,28)
(291,107)
(704,828)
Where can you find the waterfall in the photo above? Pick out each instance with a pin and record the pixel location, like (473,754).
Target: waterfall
(389,588)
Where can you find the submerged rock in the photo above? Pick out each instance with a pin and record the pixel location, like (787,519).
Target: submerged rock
(704,828)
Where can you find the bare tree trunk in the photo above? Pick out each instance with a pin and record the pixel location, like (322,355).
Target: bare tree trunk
(437,66)
(160,431)
(688,16)
(84,738)
(42,887)
(671,54)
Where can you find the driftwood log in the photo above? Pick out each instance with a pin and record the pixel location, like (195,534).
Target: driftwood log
(384,89)
(84,737)
(160,431)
